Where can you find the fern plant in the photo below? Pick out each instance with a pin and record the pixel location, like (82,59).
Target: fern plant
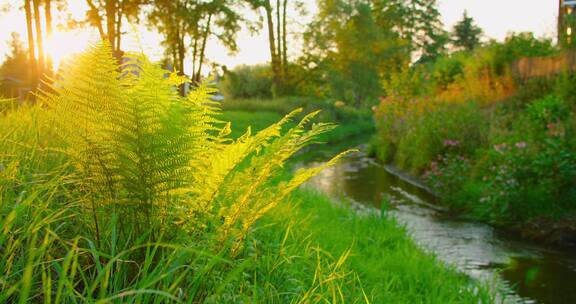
(161,160)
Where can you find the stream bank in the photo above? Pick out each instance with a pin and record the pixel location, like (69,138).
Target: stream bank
(559,233)
(528,272)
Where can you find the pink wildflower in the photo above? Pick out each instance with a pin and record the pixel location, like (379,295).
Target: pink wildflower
(451,143)
(521,145)
(501,148)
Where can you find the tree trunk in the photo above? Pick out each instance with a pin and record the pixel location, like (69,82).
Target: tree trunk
(111,23)
(271,41)
(119,25)
(194,56)
(279,38)
(31,47)
(284,39)
(48,14)
(181,54)
(39,44)
(203,49)
(174,58)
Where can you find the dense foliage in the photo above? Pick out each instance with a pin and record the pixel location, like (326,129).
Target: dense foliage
(352,46)
(493,145)
(248,82)
(349,48)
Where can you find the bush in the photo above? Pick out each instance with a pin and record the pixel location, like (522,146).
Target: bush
(525,170)
(432,103)
(548,110)
(413,139)
(448,174)
(248,82)
(523,178)
(565,89)
(524,44)
(445,70)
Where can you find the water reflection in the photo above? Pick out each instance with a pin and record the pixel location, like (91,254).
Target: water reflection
(530,273)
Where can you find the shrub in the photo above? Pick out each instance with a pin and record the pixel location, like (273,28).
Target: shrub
(416,137)
(565,89)
(445,70)
(528,169)
(548,110)
(248,82)
(522,179)
(447,175)
(524,44)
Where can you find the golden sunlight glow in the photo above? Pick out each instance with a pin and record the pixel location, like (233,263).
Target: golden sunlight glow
(63,45)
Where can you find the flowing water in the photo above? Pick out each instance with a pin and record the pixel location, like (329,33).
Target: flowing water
(527,272)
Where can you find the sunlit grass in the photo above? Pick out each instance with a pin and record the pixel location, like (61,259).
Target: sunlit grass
(118,190)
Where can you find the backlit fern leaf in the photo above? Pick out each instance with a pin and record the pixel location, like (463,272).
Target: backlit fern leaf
(144,150)
(124,128)
(150,151)
(229,157)
(82,100)
(252,200)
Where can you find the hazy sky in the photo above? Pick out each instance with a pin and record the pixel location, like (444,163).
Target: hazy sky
(495,17)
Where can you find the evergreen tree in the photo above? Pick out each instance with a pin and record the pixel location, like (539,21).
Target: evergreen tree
(17,66)
(466,35)
(16,61)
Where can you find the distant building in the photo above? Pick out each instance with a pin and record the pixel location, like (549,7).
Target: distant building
(566,21)
(13,88)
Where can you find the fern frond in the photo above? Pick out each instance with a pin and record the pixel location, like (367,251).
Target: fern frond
(253,199)
(227,159)
(147,152)
(81,103)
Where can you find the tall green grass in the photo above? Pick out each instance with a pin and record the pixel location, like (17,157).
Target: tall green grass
(374,258)
(211,239)
(306,251)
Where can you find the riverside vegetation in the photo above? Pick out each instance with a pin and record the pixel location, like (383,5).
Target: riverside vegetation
(114,189)
(494,146)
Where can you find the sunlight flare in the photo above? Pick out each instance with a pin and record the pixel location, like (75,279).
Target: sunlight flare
(62,45)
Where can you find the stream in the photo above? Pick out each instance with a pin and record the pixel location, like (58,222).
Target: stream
(525,271)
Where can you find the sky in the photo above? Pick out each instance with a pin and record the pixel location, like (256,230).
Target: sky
(496,17)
